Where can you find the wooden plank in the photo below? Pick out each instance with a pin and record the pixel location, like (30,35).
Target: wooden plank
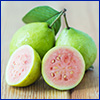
(81,15)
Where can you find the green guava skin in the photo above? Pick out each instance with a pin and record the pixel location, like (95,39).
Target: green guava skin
(38,35)
(81,41)
(33,75)
(43,71)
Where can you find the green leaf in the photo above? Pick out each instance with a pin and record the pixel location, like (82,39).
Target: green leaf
(57,24)
(43,14)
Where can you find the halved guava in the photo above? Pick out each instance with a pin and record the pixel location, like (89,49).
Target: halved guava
(63,67)
(23,67)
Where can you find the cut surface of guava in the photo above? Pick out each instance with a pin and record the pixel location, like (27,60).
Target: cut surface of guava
(63,67)
(23,67)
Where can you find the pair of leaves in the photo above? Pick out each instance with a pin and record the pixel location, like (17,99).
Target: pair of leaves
(43,14)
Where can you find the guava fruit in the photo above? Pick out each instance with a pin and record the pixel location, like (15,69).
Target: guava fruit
(63,67)
(23,67)
(79,40)
(38,35)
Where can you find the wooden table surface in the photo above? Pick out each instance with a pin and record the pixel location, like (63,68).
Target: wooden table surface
(82,15)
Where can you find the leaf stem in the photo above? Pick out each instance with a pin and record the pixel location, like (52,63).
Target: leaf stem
(66,21)
(57,18)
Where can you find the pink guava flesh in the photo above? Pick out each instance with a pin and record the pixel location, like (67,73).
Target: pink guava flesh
(64,67)
(19,65)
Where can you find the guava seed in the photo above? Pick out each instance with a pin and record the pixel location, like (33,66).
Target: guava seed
(53,61)
(71,72)
(52,74)
(55,67)
(69,67)
(56,72)
(58,58)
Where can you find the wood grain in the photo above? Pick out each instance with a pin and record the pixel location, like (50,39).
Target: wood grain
(82,15)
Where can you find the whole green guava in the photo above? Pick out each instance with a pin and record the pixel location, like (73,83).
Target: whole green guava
(38,35)
(81,41)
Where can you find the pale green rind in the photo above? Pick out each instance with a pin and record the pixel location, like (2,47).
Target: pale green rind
(33,74)
(81,41)
(44,75)
(37,35)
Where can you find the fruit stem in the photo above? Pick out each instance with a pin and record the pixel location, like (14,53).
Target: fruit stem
(66,21)
(57,18)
